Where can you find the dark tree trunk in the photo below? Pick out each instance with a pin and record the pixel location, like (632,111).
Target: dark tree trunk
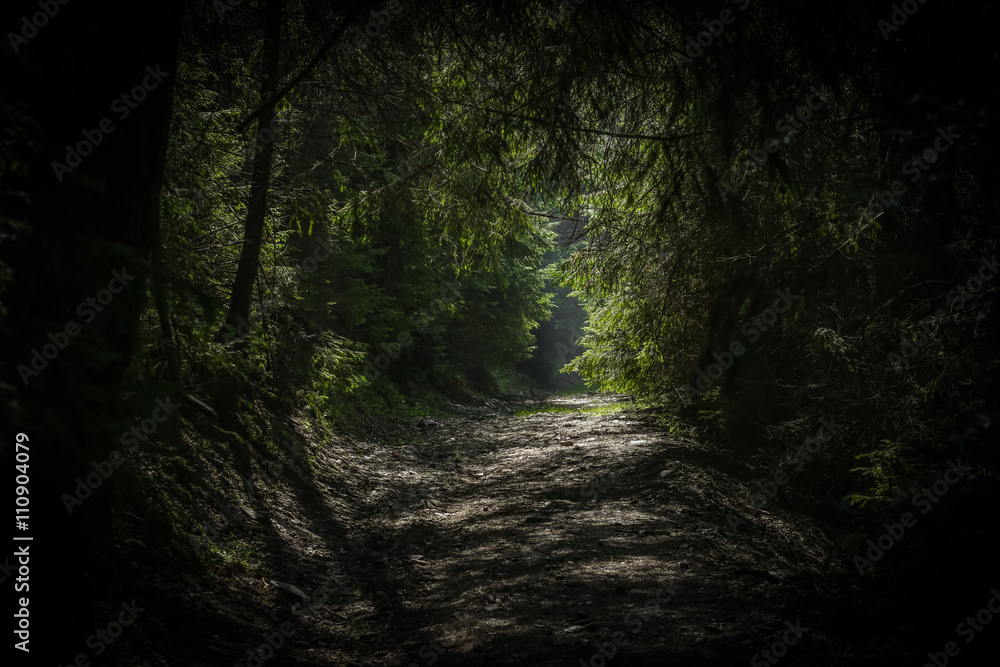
(246,270)
(168,346)
(93,164)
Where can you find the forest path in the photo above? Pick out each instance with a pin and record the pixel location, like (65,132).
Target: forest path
(581,534)
(580,530)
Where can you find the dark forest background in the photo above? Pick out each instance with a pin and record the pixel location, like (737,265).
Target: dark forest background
(355,211)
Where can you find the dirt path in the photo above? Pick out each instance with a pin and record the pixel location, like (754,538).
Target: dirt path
(582,532)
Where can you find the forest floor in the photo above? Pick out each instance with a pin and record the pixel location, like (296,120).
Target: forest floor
(575,532)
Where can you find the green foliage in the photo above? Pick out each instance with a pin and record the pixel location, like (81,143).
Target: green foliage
(335,373)
(881,467)
(359,242)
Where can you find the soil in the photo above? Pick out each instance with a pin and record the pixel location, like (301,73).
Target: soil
(582,534)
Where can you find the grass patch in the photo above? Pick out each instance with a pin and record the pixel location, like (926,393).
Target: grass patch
(579,388)
(237,555)
(558,409)
(432,405)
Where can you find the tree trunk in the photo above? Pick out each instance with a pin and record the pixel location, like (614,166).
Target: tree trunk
(246,270)
(95,84)
(168,346)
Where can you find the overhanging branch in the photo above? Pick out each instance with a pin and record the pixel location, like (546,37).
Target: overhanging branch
(294,81)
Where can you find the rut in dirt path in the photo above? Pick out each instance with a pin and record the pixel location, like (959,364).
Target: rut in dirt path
(585,534)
